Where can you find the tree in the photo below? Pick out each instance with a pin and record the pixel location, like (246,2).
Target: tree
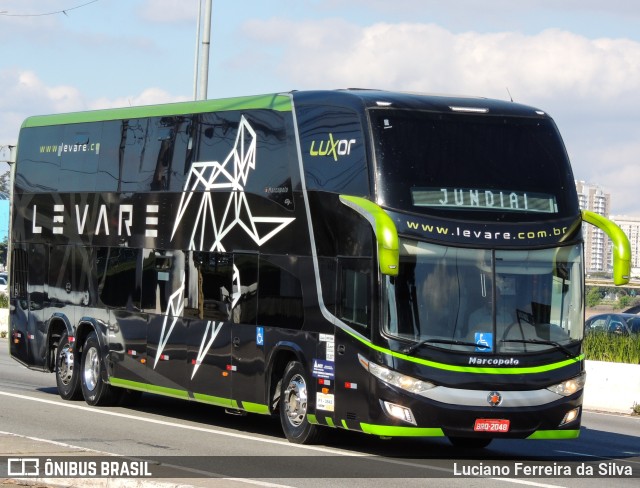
(594,296)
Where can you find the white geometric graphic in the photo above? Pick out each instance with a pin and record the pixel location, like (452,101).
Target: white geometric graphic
(231,175)
(204,349)
(174,310)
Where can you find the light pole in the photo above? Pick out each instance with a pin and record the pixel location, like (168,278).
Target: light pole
(202,58)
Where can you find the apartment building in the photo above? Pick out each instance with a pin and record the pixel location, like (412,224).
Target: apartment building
(631,227)
(597,244)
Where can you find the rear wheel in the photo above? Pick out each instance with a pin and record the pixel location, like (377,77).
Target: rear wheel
(94,389)
(67,369)
(294,407)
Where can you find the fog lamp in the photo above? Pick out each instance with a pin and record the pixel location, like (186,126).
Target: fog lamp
(570,416)
(399,412)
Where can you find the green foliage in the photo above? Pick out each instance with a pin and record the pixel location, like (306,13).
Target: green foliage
(594,296)
(4,300)
(601,346)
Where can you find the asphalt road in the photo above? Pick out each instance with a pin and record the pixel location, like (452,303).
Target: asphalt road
(203,446)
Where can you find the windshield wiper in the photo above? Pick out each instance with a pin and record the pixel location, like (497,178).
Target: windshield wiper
(540,341)
(413,347)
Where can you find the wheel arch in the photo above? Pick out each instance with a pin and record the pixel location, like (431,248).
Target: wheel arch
(281,355)
(58,324)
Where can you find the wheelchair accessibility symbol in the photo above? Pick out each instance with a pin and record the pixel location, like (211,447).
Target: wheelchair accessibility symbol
(259,336)
(484,341)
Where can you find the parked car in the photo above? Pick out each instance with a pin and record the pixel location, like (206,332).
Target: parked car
(3,284)
(614,323)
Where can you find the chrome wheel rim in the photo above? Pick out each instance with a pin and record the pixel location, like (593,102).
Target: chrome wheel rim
(295,400)
(91,368)
(65,364)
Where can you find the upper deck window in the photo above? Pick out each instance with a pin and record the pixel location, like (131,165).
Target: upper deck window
(455,165)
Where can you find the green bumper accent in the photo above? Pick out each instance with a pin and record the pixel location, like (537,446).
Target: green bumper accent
(395,431)
(554,434)
(385,231)
(279,102)
(621,246)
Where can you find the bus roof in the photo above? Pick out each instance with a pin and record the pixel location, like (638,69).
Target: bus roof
(355,98)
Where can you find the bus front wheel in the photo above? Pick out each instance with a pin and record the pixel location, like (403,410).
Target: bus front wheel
(294,406)
(94,389)
(67,370)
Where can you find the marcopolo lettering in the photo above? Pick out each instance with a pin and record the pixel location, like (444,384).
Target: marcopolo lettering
(493,361)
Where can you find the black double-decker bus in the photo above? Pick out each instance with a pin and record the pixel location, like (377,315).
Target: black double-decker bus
(395,264)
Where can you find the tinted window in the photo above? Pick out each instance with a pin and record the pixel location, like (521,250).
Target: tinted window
(280,295)
(208,285)
(355,292)
(247,151)
(117,283)
(453,165)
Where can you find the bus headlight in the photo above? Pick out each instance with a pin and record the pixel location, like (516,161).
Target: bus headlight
(393,378)
(569,387)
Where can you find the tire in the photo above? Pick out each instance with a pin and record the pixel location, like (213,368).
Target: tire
(94,389)
(294,407)
(470,442)
(67,368)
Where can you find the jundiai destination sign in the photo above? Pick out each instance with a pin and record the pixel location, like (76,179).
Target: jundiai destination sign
(484,199)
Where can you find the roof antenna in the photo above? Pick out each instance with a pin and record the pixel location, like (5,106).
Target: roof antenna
(510,97)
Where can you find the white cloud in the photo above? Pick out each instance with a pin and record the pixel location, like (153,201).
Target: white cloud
(150,96)
(23,94)
(169,11)
(552,64)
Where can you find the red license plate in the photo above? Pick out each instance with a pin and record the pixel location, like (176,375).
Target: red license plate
(491,425)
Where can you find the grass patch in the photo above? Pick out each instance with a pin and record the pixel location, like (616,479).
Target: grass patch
(600,346)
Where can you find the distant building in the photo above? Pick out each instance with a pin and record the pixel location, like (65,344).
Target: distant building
(631,227)
(597,245)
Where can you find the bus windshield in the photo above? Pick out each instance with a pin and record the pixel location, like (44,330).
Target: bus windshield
(486,301)
(455,165)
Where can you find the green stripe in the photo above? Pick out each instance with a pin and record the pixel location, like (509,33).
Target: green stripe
(255,408)
(555,434)
(470,369)
(312,419)
(329,421)
(215,400)
(277,102)
(162,390)
(344,424)
(395,431)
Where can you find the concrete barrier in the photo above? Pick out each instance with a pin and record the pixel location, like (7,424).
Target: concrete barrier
(4,319)
(612,387)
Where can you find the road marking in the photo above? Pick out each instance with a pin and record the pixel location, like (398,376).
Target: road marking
(599,457)
(283,443)
(155,484)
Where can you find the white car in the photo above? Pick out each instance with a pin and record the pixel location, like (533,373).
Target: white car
(3,284)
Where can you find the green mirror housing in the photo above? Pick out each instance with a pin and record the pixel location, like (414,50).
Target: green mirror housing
(384,229)
(621,246)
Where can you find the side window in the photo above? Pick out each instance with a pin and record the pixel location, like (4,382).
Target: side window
(163,281)
(280,295)
(19,273)
(244,301)
(117,284)
(354,305)
(208,285)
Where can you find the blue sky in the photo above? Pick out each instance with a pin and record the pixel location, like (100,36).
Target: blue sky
(579,60)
